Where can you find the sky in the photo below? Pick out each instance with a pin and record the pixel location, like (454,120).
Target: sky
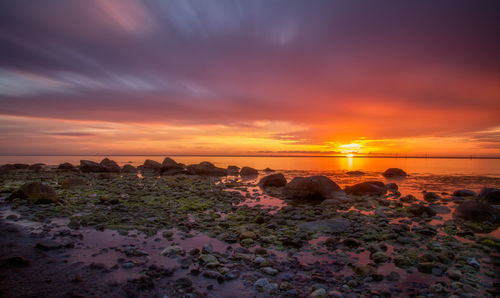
(250,77)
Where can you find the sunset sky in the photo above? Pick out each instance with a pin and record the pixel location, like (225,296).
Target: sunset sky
(250,77)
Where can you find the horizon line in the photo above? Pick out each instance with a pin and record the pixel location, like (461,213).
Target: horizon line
(257,155)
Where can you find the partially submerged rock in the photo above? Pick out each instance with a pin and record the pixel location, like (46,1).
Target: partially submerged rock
(67,167)
(233,170)
(311,188)
(477,211)
(420,210)
(171,167)
(431,197)
(464,193)
(375,188)
(394,173)
(248,171)
(110,166)
(129,169)
(151,166)
(489,195)
(36,167)
(35,192)
(273,180)
(206,169)
(88,166)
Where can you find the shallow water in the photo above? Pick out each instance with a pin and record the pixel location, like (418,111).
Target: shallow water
(437,166)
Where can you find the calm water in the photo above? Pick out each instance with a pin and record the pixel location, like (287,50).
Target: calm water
(473,167)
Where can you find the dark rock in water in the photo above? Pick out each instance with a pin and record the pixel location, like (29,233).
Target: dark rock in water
(464,193)
(311,188)
(440,209)
(333,225)
(171,167)
(355,173)
(151,165)
(233,170)
(490,195)
(408,198)
(73,183)
(273,180)
(21,166)
(477,211)
(48,245)
(110,166)
(419,210)
(129,169)
(87,166)
(375,188)
(392,186)
(67,167)
(206,169)
(431,197)
(394,173)
(268,170)
(35,192)
(36,167)
(248,171)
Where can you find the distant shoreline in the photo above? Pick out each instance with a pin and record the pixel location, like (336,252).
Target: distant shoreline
(250,155)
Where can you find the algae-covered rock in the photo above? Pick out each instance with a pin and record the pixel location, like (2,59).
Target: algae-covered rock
(311,188)
(35,192)
(273,180)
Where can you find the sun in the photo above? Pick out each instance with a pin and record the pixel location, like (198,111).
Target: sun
(350,155)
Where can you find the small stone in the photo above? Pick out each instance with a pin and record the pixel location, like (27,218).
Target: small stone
(393,276)
(48,245)
(319,293)
(269,271)
(454,274)
(173,250)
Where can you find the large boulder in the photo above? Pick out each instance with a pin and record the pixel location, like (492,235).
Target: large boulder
(4,169)
(477,211)
(311,188)
(248,171)
(489,195)
(233,170)
(151,166)
(129,169)
(87,166)
(464,193)
(171,167)
(110,166)
(206,168)
(35,192)
(67,167)
(21,166)
(394,173)
(36,167)
(273,180)
(374,188)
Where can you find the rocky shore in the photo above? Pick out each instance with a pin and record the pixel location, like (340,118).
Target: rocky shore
(174,230)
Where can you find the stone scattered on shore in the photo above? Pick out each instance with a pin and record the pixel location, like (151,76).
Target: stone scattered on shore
(464,193)
(88,166)
(170,167)
(206,168)
(477,211)
(311,188)
(67,167)
(394,173)
(273,180)
(489,195)
(110,166)
(129,169)
(151,167)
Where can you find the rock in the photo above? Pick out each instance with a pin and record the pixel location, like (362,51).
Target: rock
(151,166)
(73,183)
(363,270)
(208,258)
(37,167)
(4,169)
(454,274)
(48,245)
(489,195)
(269,271)
(375,188)
(311,188)
(425,267)
(408,198)
(14,262)
(233,170)
(334,225)
(405,240)
(129,169)
(464,193)
(477,211)
(173,250)
(319,293)
(420,210)
(206,169)
(379,257)
(273,180)
(87,166)
(67,167)
(394,173)
(248,171)
(350,242)
(110,166)
(213,275)
(263,285)
(35,192)
(440,209)
(268,170)
(183,282)
(393,276)
(248,234)
(392,186)
(355,173)
(21,166)
(171,167)
(431,197)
